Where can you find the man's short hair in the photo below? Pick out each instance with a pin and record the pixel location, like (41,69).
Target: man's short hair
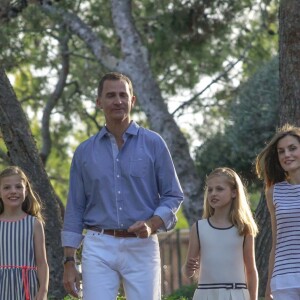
(114,76)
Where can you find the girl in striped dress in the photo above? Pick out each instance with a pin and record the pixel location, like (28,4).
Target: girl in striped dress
(279,165)
(221,245)
(24,272)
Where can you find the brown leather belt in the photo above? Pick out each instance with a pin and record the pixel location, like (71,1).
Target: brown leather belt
(114,232)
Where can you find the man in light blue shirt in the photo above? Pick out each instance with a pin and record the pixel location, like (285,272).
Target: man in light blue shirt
(123,189)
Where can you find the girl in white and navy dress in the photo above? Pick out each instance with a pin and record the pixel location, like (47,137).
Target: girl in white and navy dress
(221,245)
(279,165)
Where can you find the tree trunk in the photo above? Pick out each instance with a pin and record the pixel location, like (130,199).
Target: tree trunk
(289,61)
(263,243)
(289,74)
(136,65)
(23,152)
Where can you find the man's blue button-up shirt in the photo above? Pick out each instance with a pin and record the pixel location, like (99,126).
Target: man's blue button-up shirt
(112,188)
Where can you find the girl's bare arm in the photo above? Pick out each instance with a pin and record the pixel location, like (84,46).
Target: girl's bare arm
(250,267)
(270,204)
(41,261)
(192,262)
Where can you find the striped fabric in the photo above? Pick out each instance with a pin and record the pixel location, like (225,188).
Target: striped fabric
(18,275)
(286,199)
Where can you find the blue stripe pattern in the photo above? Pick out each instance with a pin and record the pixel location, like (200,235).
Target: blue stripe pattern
(286,199)
(17,249)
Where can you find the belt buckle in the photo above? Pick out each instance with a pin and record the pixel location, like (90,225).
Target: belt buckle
(230,286)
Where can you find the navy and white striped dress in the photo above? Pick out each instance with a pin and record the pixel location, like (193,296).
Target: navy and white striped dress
(286,272)
(18,275)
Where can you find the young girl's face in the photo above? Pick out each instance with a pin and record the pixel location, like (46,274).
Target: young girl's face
(12,191)
(219,192)
(288,149)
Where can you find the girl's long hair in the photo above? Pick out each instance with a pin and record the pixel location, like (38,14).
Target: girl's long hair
(267,162)
(32,203)
(240,214)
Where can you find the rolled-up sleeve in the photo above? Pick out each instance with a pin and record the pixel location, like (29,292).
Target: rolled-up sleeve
(171,195)
(71,235)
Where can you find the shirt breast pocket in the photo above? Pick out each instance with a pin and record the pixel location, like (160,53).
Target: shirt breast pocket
(138,167)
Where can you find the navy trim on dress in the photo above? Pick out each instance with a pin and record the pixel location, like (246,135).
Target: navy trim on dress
(197,227)
(228,286)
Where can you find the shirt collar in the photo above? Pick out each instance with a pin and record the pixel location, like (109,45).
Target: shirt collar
(132,129)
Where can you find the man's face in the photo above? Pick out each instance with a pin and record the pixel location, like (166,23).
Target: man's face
(116,101)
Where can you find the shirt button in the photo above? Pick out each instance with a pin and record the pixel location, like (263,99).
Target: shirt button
(118,176)
(120,208)
(119,192)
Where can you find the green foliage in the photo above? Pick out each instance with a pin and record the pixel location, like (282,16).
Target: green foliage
(254,198)
(182,221)
(185,41)
(189,39)
(264,45)
(72,298)
(184,293)
(253,118)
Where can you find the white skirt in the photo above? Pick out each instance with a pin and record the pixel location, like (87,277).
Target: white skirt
(221,294)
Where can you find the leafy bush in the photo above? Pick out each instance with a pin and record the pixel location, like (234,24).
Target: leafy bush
(251,121)
(184,293)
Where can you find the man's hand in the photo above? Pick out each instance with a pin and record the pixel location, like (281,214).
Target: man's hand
(71,279)
(143,229)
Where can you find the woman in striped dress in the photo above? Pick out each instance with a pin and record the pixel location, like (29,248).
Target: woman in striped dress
(24,272)
(279,165)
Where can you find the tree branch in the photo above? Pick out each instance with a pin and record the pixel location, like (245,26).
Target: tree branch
(86,34)
(126,31)
(227,69)
(53,99)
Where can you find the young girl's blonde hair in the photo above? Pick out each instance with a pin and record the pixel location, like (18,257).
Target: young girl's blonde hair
(240,213)
(267,162)
(32,202)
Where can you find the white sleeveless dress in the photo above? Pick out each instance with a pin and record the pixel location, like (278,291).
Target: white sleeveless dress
(222,273)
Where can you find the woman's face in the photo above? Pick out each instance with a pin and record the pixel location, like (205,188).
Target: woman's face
(288,149)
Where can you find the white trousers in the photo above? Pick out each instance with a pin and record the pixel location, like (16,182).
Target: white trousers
(286,294)
(108,260)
